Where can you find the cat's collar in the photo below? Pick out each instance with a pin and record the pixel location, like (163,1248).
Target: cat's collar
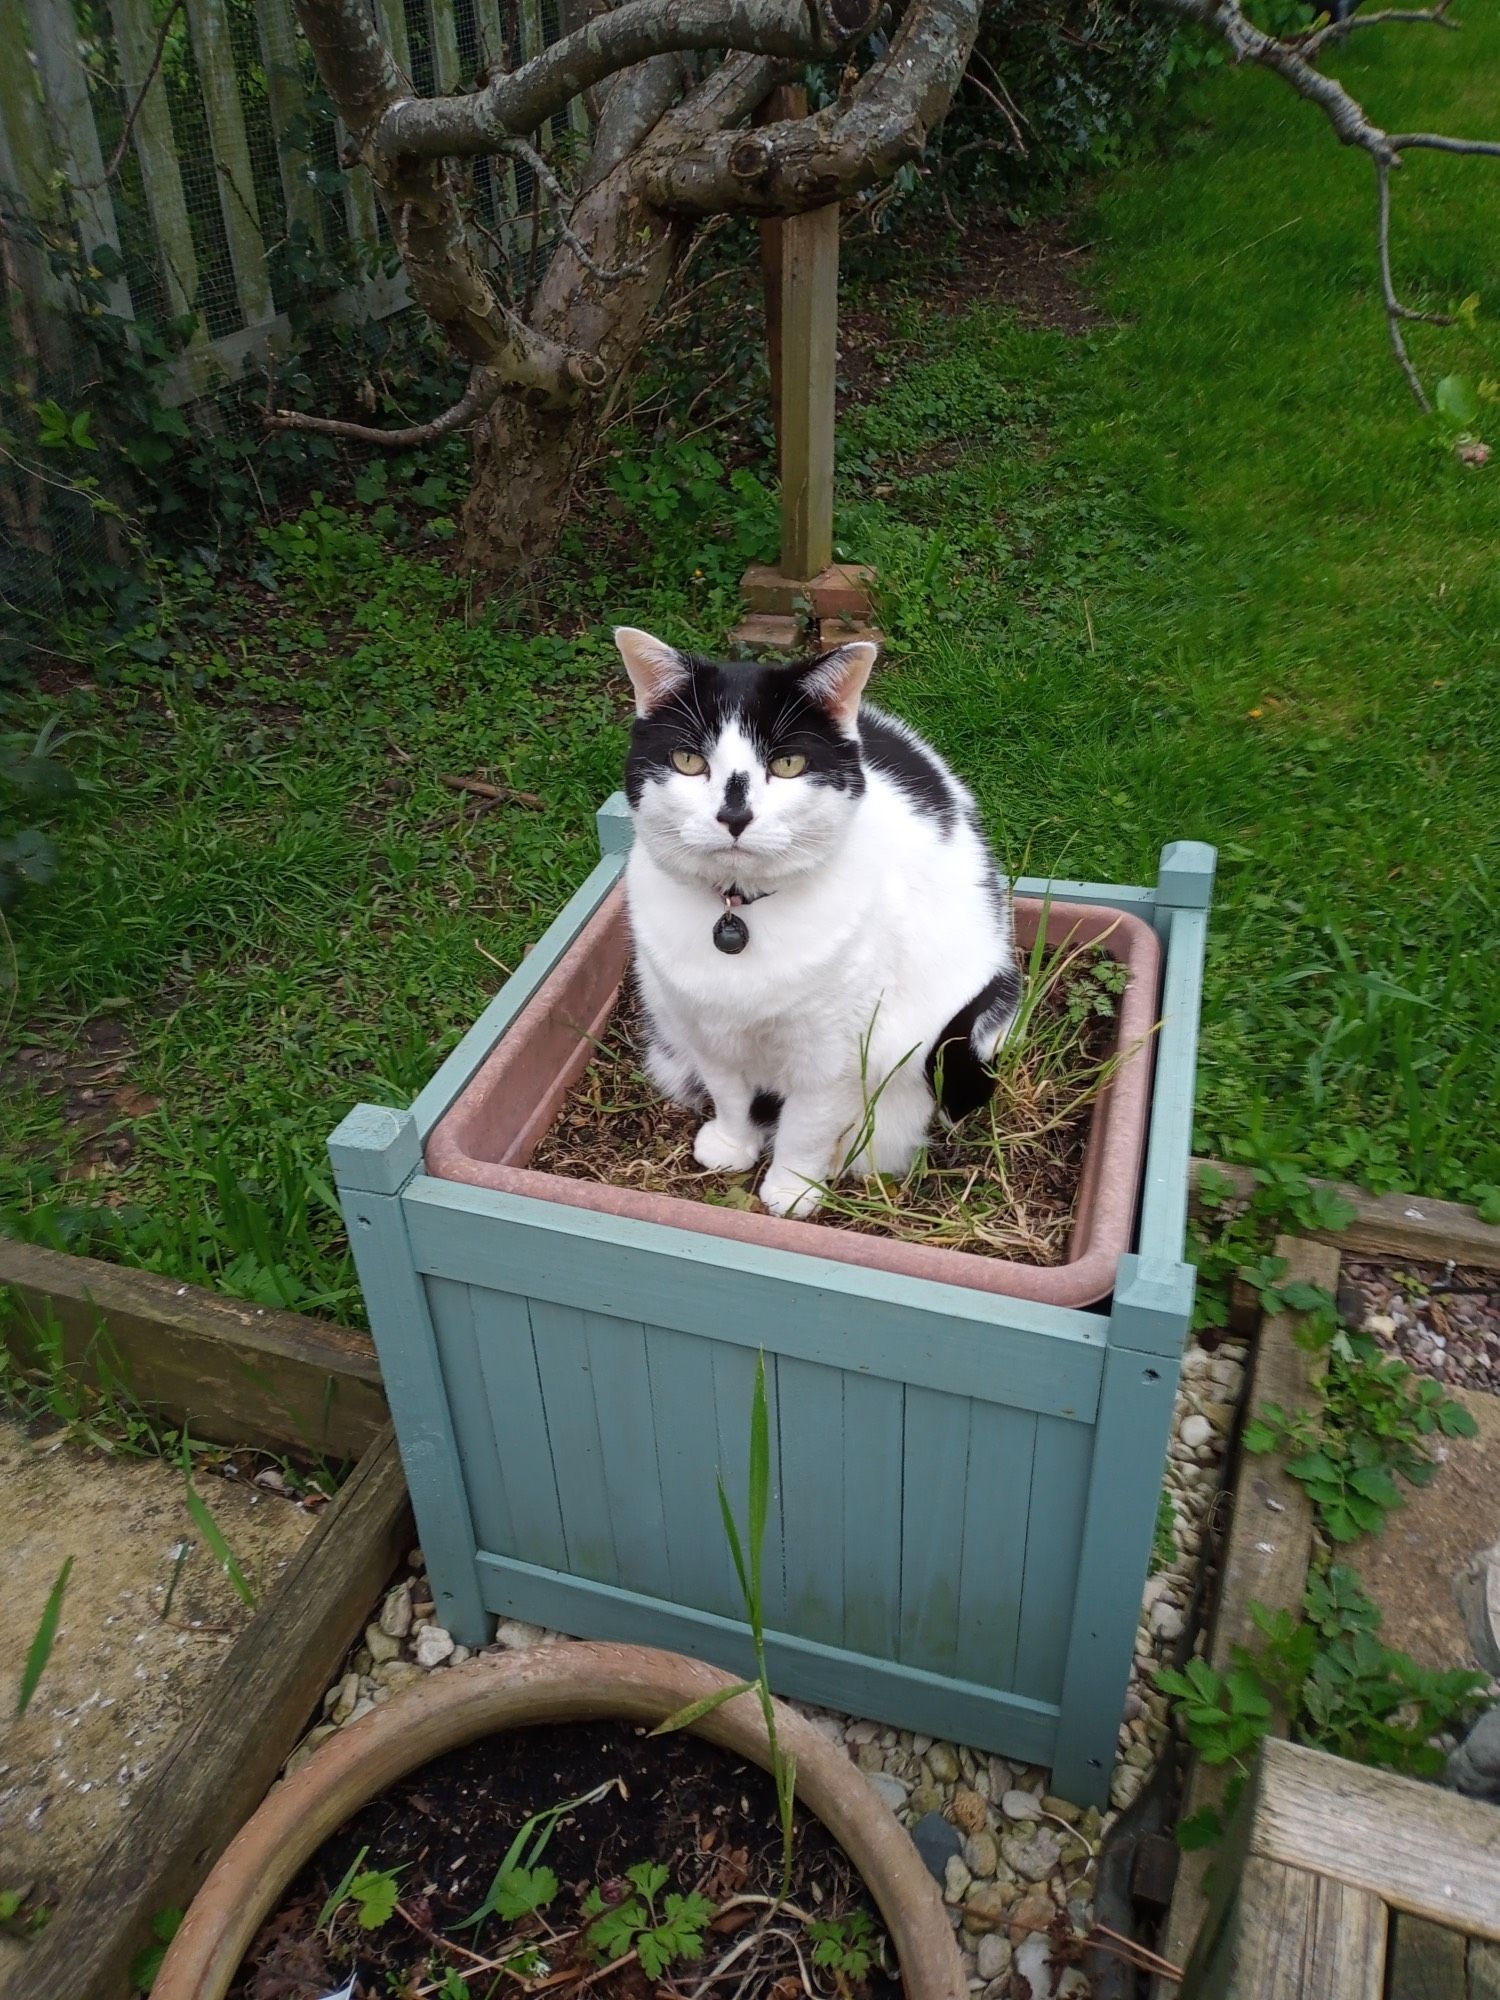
(734,897)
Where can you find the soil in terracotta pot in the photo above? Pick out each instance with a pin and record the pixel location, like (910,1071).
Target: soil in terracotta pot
(694,1825)
(1002,1183)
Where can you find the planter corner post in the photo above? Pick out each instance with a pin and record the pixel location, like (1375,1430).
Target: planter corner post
(374,1153)
(616,828)
(1185,880)
(1148,1325)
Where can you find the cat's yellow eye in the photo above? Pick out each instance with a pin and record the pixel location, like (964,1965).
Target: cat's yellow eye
(792,765)
(689,763)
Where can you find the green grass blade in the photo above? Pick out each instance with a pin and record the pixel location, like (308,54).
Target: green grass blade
(220,1550)
(736,1549)
(342,1890)
(760,1483)
(684,1718)
(39,1652)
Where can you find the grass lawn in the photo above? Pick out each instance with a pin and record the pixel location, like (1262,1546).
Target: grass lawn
(1202,571)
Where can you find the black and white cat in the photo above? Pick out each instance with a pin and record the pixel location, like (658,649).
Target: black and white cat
(816,917)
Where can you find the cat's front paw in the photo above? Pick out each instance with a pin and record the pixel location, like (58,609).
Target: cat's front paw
(786,1193)
(721,1151)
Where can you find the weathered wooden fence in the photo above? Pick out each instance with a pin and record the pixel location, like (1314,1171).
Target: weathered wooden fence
(183,156)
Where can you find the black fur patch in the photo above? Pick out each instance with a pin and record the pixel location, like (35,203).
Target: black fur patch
(770,703)
(765,1107)
(907,764)
(965,1082)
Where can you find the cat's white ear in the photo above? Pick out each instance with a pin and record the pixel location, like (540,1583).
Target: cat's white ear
(654,669)
(837,680)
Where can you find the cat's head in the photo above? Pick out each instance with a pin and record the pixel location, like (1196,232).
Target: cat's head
(744,773)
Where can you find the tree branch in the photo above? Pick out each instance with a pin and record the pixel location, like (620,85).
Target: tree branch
(481,395)
(516,104)
(1393,307)
(803,163)
(1336,31)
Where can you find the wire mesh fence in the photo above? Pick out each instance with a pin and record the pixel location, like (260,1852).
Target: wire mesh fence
(172,175)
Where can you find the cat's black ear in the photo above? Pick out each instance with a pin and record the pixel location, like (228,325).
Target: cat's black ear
(836,680)
(655,670)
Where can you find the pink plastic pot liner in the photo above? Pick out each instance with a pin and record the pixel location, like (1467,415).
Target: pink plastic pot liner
(491,1130)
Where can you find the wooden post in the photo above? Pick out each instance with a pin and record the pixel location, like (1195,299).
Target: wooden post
(287,101)
(804,594)
(65,95)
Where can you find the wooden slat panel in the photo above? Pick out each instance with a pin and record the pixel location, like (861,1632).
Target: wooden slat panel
(932,1528)
(560,1339)
(875,1421)
(810,1423)
(627,1437)
(880,1689)
(1424,1850)
(997,1499)
(219,83)
(217,1768)
(446,62)
(938,1336)
(280,50)
(687,1453)
(361,209)
(1427,1961)
(156,149)
(507,1361)
(390,15)
(734,1393)
(1484,1970)
(1054,1536)
(458,1352)
(1164,1185)
(70,116)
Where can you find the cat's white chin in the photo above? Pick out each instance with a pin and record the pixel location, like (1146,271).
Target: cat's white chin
(785,1193)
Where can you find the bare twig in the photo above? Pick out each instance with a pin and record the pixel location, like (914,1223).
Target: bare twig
(92,187)
(1392,304)
(481,395)
(1335,31)
(557,201)
(500,794)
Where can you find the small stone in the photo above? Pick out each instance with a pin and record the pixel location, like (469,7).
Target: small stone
(982,1853)
(272,1480)
(394,1674)
(361,1708)
(998,1989)
(968,1811)
(1474,1767)
(926,1799)
(516,1634)
(457,1657)
(942,1761)
(988,1907)
(433,1646)
(363,1660)
(1062,1809)
(1018,1805)
(1033,1914)
(890,1789)
(1140,1755)
(862,1732)
(993,1958)
(1167,1621)
(1196,1431)
(956,1879)
(921,1745)
(381,1646)
(1033,1859)
(395,1613)
(870,1757)
(936,1841)
(1380,1324)
(1031,1972)
(345,1695)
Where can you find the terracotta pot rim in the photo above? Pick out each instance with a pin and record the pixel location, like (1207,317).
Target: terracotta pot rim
(563,1681)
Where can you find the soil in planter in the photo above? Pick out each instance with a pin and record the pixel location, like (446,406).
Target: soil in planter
(1002,1183)
(702,1822)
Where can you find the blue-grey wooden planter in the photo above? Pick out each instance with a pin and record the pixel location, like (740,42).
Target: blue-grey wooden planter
(966,1484)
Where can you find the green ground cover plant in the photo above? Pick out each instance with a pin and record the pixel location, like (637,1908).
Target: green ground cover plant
(1200,569)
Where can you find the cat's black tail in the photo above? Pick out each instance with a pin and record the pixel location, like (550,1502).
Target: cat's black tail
(959,1064)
